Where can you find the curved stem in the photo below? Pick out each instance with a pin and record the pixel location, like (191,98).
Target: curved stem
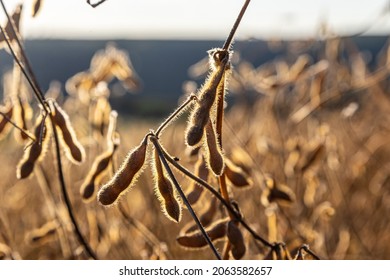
(182,195)
(68,204)
(211,189)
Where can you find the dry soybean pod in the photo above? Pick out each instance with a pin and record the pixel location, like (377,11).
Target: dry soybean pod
(207,96)
(206,217)
(214,155)
(165,192)
(195,239)
(23,113)
(236,239)
(125,176)
(102,162)
(34,151)
(236,175)
(98,169)
(202,172)
(43,234)
(73,149)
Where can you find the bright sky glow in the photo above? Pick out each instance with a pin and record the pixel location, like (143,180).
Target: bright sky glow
(200,19)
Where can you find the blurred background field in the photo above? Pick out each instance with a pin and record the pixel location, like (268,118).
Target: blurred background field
(306,116)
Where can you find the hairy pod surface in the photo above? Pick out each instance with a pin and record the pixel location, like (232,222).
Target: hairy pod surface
(125,176)
(102,162)
(73,149)
(165,192)
(214,156)
(206,98)
(98,169)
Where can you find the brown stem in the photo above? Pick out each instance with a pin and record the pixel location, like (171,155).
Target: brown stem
(65,195)
(176,113)
(22,52)
(53,212)
(183,196)
(17,127)
(229,39)
(29,80)
(310,252)
(211,189)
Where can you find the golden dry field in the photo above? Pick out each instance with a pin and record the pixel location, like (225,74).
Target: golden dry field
(297,167)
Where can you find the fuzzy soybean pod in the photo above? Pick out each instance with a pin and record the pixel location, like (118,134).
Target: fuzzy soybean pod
(214,155)
(165,192)
(195,239)
(73,149)
(206,98)
(43,234)
(102,162)
(236,175)
(23,113)
(35,151)
(236,239)
(99,168)
(126,175)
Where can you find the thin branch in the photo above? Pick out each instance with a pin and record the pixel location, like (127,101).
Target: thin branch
(175,114)
(182,195)
(22,51)
(211,189)
(310,252)
(68,204)
(17,127)
(96,4)
(30,82)
(229,39)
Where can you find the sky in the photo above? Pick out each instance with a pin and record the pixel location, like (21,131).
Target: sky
(201,19)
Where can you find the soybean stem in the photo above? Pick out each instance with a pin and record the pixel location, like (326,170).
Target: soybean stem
(182,195)
(177,112)
(229,39)
(211,189)
(17,127)
(22,52)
